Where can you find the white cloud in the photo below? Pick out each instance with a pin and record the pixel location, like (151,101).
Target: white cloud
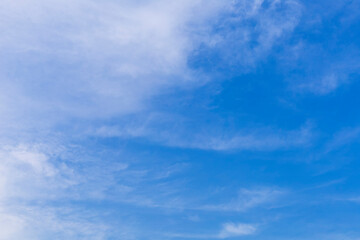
(257,140)
(247,199)
(109,57)
(41,184)
(39,222)
(229,230)
(27,175)
(316,69)
(354,199)
(235,230)
(342,138)
(37,188)
(12,226)
(176,131)
(26,172)
(251,31)
(329,81)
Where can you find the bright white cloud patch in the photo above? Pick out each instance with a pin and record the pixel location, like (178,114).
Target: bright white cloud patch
(109,56)
(235,230)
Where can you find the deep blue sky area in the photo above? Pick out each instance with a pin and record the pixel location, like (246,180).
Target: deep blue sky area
(176,120)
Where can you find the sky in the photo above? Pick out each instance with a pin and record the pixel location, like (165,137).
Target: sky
(179,119)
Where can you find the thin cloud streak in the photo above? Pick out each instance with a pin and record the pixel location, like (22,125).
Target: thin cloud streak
(170,132)
(229,230)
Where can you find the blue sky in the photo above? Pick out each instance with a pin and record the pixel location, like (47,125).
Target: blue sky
(175,120)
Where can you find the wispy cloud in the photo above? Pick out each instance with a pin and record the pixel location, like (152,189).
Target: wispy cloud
(30,180)
(342,138)
(318,66)
(41,185)
(27,172)
(354,199)
(229,230)
(247,199)
(331,78)
(253,29)
(34,222)
(173,131)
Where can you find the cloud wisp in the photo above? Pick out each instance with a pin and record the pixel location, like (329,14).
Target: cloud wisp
(229,230)
(247,199)
(173,131)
